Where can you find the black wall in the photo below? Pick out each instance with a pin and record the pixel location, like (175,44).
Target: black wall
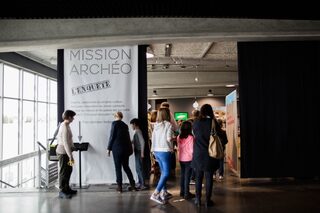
(279,117)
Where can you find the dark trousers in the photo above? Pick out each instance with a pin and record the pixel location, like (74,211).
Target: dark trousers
(64,173)
(185,177)
(121,160)
(209,184)
(221,167)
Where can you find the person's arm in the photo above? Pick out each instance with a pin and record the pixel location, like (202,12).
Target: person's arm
(142,143)
(170,134)
(67,143)
(112,137)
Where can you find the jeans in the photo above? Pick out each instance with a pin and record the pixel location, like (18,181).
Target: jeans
(186,171)
(209,184)
(137,156)
(163,159)
(64,173)
(122,160)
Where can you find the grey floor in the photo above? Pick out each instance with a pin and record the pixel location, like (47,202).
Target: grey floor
(229,196)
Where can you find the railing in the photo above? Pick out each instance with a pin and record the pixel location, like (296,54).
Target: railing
(47,175)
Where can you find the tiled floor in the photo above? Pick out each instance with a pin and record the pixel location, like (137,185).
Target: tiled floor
(229,196)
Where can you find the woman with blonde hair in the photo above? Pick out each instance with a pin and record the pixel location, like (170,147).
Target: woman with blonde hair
(162,147)
(121,147)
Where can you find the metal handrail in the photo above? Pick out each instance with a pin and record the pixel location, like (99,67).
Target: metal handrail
(7,184)
(19,158)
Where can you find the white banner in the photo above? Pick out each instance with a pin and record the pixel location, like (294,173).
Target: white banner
(97,83)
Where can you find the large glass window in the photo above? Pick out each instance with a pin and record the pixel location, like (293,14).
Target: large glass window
(28,86)
(42,122)
(27,117)
(53,91)
(53,119)
(28,127)
(10,81)
(10,129)
(42,89)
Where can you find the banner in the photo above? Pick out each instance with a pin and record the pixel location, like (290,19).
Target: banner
(99,82)
(232,132)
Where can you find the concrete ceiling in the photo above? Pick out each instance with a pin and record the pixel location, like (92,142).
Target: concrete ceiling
(175,66)
(198,47)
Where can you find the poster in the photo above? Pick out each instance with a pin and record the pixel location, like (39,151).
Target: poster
(97,83)
(232,147)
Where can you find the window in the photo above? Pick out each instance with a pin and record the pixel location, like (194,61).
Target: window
(10,129)
(11,81)
(42,89)
(28,142)
(53,91)
(42,122)
(27,116)
(28,86)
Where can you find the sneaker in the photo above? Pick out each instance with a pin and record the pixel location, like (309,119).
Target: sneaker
(220,177)
(64,195)
(165,195)
(157,198)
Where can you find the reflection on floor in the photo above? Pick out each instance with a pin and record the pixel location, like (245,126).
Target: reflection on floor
(229,195)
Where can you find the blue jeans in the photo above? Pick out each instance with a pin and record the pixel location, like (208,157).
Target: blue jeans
(163,159)
(137,156)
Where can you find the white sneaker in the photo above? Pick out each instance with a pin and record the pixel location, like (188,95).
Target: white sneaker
(157,198)
(165,195)
(220,177)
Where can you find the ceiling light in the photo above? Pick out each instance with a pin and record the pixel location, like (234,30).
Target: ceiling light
(154,93)
(150,55)
(196,79)
(230,85)
(195,104)
(210,93)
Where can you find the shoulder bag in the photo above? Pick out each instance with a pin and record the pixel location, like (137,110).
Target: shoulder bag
(52,154)
(215,146)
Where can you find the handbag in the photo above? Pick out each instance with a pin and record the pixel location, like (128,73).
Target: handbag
(215,148)
(52,154)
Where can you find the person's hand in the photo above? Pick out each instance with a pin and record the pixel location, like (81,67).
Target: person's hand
(71,162)
(108,153)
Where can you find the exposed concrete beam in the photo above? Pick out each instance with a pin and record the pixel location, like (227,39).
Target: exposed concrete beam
(31,34)
(206,50)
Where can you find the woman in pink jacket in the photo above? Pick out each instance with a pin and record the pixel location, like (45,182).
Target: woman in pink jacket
(185,144)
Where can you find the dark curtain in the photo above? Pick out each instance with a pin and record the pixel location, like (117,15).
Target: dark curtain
(142,108)
(279,117)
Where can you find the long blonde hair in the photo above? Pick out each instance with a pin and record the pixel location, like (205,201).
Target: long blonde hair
(163,115)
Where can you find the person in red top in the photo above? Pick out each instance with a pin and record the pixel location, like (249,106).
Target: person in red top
(185,145)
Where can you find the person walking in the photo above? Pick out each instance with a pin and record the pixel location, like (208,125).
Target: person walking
(162,148)
(121,147)
(64,151)
(203,164)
